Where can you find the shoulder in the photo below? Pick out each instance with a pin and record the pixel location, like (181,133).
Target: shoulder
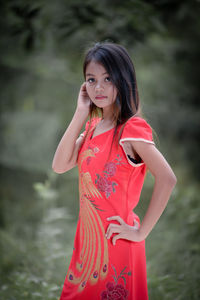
(137,128)
(137,122)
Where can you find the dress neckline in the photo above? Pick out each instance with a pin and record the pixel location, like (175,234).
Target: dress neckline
(93,137)
(92,132)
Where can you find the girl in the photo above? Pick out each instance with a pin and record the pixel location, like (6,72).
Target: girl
(113,155)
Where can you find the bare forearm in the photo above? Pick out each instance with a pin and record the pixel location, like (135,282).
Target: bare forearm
(165,181)
(161,194)
(66,146)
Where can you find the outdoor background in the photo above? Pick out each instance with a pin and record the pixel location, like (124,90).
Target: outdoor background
(42,46)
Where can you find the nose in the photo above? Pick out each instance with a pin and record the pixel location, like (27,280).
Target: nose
(99,85)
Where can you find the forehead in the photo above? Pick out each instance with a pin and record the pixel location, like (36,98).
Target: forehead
(95,68)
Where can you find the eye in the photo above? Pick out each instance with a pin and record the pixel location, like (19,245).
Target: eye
(107,79)
(91,80)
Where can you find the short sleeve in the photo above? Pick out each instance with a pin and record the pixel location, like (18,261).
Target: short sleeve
(136,129)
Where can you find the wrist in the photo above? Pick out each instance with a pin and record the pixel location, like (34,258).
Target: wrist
(136,235)
(142,234)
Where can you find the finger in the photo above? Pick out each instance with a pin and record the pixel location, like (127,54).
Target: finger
(117,218)
(116,237)
(83,86)
(136,224)
(112,228)
(112,225)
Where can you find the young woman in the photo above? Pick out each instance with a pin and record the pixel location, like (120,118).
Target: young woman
(113,155)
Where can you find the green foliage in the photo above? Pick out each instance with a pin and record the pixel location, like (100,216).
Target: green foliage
(35,249)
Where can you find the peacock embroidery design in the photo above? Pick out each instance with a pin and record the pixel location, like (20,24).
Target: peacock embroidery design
(92,263)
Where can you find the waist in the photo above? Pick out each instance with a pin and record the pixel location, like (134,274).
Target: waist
(132,219)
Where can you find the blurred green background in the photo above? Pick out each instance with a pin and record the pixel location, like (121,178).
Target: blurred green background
(42,47)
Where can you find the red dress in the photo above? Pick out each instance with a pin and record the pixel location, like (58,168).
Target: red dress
(98,269)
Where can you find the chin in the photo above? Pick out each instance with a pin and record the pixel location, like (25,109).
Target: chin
(101,105)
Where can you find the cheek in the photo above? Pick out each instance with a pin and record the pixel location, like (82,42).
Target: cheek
(89,91)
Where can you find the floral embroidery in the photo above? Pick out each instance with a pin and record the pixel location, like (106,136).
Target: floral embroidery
(110,169)
(115,290)
(104,183)
(95,150)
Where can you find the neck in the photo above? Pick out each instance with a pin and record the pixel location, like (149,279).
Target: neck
(107,115)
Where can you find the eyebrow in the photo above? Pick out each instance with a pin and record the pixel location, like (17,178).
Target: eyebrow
(89,74)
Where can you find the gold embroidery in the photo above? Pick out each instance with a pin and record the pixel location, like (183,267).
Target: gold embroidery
(93,260)
(87,187)
(85,155)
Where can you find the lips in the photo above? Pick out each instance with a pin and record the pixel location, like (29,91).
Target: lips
(100,97)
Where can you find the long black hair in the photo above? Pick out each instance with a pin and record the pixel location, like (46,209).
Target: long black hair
(117,62)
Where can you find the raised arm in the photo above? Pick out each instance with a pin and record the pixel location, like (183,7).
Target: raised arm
(66,153)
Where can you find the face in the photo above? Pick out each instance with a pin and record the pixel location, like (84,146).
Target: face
(99,87)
